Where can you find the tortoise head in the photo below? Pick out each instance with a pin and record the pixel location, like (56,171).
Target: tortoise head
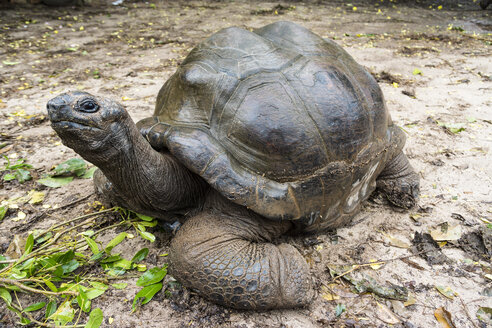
(95,127)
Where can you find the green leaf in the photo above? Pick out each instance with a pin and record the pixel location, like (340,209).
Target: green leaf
(83,301)
(112,258)
(115,271)
(140,255)
(146,293)
(70,266)
(147,235)
(339,309)
(144,217)
(29,244)
(417,72)
(75,166)
(50,309)
(64,314)
(3,211)
(3,265)
(55,182)
(121,285)
(93,293)
(116,240)
(9,177)
(34,307)
(452,127)
(123,264)
(95,319)
(92,244)
(484,314)
(9,63)
(98,290)
(50,285)
(22,175)
(63,258)
(147,224)
(5,294)
(89,173)
(152,276)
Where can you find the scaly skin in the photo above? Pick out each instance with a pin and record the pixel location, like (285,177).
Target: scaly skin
(399,182)
(229,257)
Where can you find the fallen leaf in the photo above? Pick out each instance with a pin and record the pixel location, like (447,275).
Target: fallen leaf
(484,314)
(339,309)
(411,300)
(446,291)
(20,216)
(55,182)
(328,294)
(9,63)
(377,264)
(395,241)
(3,211)
(444,318)
(36,197)
(445,232)
(385,315)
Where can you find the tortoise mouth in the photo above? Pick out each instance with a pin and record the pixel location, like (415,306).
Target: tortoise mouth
(71,125)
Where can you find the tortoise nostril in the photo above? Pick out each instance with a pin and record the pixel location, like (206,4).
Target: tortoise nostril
(55,104)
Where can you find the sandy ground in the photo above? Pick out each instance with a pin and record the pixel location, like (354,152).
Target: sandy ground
(433,64)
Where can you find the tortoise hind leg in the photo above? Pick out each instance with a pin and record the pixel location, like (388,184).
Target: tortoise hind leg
(399,182)
(231,261)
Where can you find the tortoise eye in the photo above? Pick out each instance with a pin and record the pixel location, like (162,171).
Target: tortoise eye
(88,106)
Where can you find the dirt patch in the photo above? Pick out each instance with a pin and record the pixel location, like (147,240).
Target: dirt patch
(434,67)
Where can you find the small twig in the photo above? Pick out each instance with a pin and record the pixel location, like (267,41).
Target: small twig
(467,313)
(105,279)
(71,203)
(7,261)
(80,218)
(34,290)
(355,267)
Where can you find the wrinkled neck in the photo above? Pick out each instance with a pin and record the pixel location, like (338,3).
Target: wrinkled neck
(147,180)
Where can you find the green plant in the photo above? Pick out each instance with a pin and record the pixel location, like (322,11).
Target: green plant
(16,171)
(57,262)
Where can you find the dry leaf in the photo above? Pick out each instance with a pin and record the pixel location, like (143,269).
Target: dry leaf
(411,300)
(20,216)
(446,232)
(446,291)
(444,318)
(395,241)
(36,197)
(377,264)
(385,315)
(16,247)
(328,294)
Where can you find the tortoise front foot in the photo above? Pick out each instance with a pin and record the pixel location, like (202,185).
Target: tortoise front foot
(231,261)
(399,182)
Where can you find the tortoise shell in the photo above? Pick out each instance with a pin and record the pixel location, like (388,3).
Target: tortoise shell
(278,120)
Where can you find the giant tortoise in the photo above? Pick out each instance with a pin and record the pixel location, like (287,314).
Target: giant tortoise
(257,134)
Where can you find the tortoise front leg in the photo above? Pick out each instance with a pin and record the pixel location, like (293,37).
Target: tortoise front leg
(399,182)
(231,261)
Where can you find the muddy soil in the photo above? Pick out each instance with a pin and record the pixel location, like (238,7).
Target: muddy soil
(433,62)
